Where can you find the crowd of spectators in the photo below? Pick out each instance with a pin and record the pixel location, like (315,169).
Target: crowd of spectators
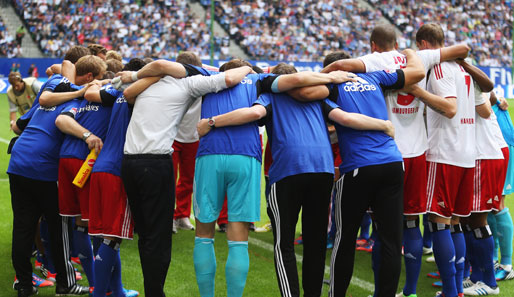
(134,28)
(286,30)
(484,25)
(8,45)
(304,30)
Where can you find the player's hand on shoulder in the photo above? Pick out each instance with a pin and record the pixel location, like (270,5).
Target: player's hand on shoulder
(342,76)
(389,129)
(203,127)
(504,104)
(412,89)
(125,76)
(94,142)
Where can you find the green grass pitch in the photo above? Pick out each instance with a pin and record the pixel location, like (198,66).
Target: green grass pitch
(181,277)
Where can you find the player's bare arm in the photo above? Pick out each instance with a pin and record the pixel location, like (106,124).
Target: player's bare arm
(444,106)
(359,121)
(138,87)
(49,99)
(353,65)
(453,52)
(155,68)
(68,125)
(234,118)
(484,110)
(414,70)
(483,81)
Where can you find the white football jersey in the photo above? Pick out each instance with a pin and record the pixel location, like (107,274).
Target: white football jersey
(452,141)
(405,112)
(487,144)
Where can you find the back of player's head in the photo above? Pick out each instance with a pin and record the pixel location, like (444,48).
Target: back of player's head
(97,50)
(148,60)
(188,57)
(109,75)
(113,55)
(257,69)
(75,53)
(283,68)
(14,77)
(134,65)
(335,56)
(432,33)
(384,37)
(90,64)
(114,65)
(234,63)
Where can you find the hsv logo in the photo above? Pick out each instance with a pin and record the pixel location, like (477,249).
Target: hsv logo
(404,99)
(91,162)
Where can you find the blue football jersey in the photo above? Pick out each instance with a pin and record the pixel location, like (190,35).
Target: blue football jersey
(36,153)
(234,140)
(359,148)
(298,135)
(109,159)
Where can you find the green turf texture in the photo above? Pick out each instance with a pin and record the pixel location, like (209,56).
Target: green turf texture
(181,280)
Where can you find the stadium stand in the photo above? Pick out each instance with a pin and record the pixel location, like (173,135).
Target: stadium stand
(152,29)
(304,30)
(7,43)
(283,30)
(485,25)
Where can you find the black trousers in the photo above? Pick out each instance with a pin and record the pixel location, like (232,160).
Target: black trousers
(30,199)
(150,188)
(381,188)
(311,193)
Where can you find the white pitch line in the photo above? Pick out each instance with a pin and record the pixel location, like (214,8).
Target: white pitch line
(355,280)
(4,140)
(4,179)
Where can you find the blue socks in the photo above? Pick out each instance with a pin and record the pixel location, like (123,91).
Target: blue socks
(412,253)
(468,237)
(483,247)
(97,241)
(459,244)
(104,265)
(444,253)
(505,233)
(427,235)
(205,265)
(366,222)
(116,285)
(236,269)
(82,244)
(491,221)
(45,238)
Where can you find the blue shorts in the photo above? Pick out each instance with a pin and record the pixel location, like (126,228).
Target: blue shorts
(237,176)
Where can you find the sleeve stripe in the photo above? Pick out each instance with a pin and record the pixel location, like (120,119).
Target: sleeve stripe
(438,72)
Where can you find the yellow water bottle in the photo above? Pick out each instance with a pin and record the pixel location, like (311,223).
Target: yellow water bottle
(85,169)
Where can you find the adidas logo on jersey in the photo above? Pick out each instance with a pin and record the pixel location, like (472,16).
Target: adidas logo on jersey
(490,201)
(360,86)
(496,198)
(441,204)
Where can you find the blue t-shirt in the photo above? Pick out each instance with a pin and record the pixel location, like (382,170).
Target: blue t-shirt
(359,148)
(92,116)
(111,155)
(50,85)
(298,135)
(505,123)
(234,140)
(36,153)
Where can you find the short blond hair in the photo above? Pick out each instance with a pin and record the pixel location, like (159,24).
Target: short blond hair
(113,55)
(114,65)
(90,63)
